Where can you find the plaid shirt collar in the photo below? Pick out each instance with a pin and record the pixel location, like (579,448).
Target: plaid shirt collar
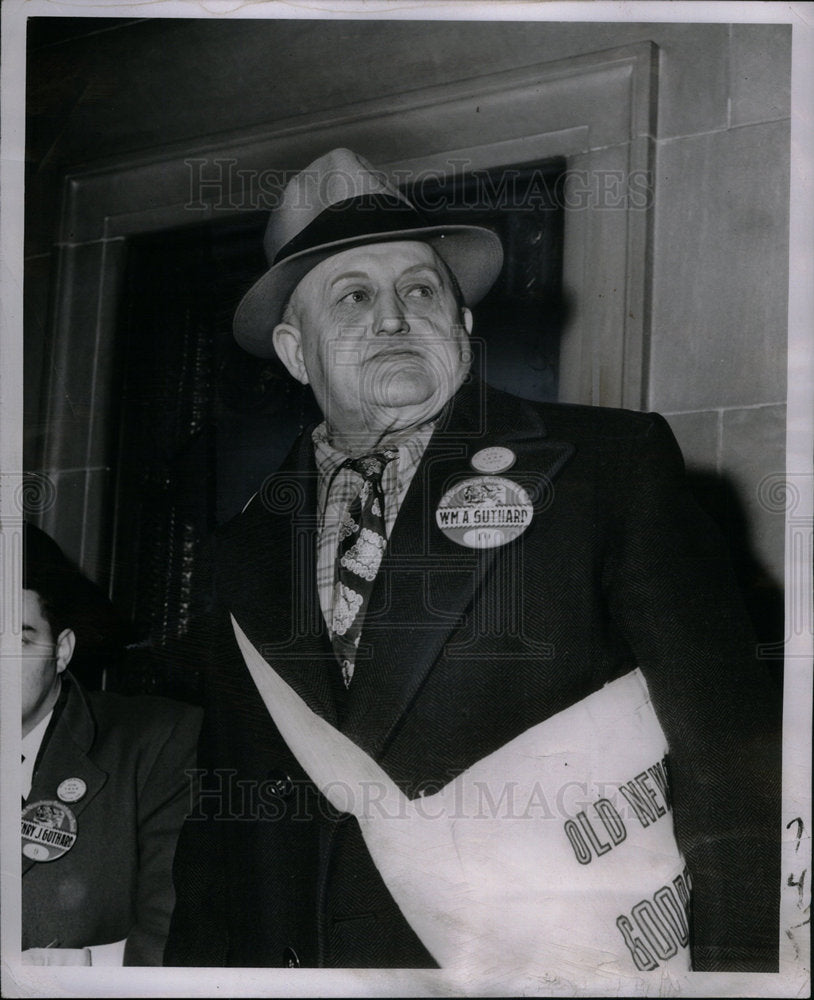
(338,486)
(410,446)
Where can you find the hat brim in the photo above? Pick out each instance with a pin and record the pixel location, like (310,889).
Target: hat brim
(474,254)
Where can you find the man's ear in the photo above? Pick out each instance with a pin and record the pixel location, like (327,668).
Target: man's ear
(466,316)
(287,341)
(65,645)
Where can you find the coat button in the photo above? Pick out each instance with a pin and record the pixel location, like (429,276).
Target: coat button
(279,784)
(290,959)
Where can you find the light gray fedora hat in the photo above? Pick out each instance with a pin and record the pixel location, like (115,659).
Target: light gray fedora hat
(337,202)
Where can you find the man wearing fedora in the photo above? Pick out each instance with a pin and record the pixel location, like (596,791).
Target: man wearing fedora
(482,694)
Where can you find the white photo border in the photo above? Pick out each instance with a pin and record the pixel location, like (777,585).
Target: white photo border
(24,981)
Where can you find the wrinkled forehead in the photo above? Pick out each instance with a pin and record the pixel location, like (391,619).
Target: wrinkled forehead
(377,262)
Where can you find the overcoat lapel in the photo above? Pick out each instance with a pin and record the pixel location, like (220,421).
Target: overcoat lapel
(68,747)
(427,579)
(425,585)
(266,576)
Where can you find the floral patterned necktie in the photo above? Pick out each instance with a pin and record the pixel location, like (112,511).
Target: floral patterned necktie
(362,540)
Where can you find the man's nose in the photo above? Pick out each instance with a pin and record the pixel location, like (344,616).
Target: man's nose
(391,318)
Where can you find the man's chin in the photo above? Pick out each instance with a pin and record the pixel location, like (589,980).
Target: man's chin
(406,391)
(404,379)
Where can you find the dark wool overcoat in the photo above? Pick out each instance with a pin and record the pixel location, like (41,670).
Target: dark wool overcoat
(463,650)
(116,881)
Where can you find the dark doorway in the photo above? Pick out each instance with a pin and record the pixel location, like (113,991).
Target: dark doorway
(519,323)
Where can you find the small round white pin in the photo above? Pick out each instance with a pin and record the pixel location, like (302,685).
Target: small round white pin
(71,790)
(493,460)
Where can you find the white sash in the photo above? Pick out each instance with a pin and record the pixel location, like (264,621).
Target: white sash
(553,858)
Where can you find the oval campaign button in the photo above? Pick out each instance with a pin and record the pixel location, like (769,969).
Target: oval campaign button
(71,790)
(495,459)
(484,512)
(48,830)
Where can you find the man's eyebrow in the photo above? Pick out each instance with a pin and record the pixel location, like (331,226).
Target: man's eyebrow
(29,628)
